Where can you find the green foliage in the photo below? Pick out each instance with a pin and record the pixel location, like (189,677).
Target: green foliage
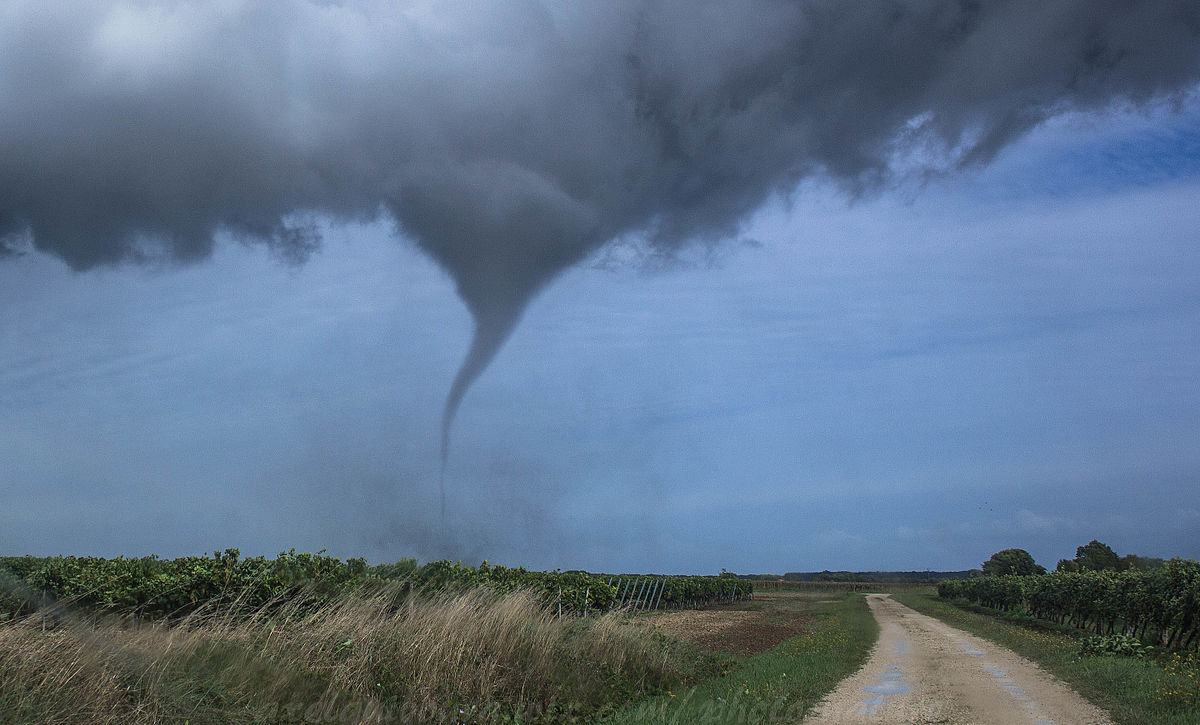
(1095,556)
(168,587)
(575,591)
(1160,605)
(396,570)
(154,587)
(1011,561)
(1111,645)
(1133,561)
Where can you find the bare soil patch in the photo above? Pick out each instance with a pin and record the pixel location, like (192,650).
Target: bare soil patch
(744,629)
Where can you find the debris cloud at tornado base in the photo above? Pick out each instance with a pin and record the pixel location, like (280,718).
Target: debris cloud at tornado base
(511,141)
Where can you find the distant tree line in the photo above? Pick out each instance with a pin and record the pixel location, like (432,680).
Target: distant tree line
(892,577)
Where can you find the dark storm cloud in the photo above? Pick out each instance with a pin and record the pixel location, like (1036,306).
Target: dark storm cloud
(512,140)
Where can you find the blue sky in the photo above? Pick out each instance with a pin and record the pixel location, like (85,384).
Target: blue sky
(768,287)
(913,379)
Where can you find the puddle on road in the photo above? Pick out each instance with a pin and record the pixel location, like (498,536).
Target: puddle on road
(890,682)
(889,687)
(1016,692)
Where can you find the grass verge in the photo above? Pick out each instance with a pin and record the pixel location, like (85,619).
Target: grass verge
(1163,690)
(475,656)
(776,686)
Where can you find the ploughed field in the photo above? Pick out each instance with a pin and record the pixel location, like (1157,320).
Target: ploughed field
(745,628)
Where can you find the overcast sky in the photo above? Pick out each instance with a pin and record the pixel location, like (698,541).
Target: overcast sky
(803,286)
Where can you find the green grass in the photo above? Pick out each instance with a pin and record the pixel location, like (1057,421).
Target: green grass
(777,686)
(1163,690)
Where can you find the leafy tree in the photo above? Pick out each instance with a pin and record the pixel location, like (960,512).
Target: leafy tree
(1011,561)
(1095,556)
(1067,565)
(1139,563)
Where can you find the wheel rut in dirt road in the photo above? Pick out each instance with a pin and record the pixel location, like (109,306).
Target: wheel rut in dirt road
(923,671)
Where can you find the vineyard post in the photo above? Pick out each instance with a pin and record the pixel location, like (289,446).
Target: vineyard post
(560,602)
(624,592)
(658,597)
(638,597)
(586,592)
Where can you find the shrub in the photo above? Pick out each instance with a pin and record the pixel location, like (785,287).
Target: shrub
(1112,644)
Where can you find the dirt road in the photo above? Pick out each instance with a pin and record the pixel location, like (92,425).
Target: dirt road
(922,671)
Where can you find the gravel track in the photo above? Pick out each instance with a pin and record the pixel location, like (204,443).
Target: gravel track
(923,671)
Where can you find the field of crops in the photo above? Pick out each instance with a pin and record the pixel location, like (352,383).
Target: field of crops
(1160,605)
(152,587)
(305,638)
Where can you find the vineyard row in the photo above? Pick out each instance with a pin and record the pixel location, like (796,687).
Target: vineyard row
(1161,605)
(153,587)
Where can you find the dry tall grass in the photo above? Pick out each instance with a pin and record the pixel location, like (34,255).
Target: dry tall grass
(470,656)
